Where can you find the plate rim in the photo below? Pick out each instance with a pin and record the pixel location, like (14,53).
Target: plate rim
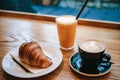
(85,74)
(35,74)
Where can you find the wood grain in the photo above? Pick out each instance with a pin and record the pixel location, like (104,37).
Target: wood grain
(15,29)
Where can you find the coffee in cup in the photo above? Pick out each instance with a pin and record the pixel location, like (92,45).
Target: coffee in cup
(92,54)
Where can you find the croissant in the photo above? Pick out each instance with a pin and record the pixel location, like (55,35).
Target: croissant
(32,54)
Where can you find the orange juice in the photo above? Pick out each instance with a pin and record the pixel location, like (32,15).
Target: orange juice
(66,27)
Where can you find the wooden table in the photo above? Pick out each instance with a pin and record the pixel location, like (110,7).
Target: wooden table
(16,27)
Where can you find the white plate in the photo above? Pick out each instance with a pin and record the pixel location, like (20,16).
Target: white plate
(12,68)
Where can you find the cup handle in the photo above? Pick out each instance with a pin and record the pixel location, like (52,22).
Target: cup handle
(106,57)
(106,60)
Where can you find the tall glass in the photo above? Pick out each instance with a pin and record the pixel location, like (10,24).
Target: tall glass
(66,27)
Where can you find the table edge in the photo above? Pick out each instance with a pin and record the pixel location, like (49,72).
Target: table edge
(81,21)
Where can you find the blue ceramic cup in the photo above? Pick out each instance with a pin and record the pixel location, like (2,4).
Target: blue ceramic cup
(92,53)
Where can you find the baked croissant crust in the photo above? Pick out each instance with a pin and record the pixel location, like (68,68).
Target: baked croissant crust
(32,54)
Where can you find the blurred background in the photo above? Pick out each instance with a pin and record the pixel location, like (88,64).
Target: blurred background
(107,10)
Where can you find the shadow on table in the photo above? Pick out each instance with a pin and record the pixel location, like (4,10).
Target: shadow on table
(90,78)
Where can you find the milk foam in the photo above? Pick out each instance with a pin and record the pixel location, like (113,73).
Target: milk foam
(92,46)
(66,19)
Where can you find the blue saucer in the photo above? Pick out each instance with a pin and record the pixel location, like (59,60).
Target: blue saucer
(75,64)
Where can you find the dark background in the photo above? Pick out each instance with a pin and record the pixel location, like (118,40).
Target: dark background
(108,10)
